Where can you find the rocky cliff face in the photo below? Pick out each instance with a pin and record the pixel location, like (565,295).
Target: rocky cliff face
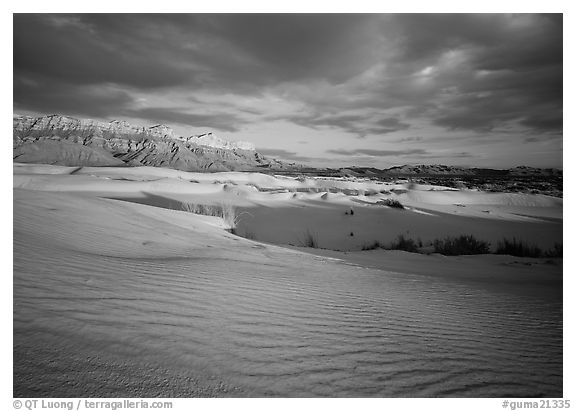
(211,140)
(88,142)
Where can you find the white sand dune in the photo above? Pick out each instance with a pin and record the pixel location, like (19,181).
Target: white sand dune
(115,298)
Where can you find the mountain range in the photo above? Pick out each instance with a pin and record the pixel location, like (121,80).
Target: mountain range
(63,140)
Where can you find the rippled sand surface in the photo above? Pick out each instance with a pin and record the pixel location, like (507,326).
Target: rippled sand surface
(104,311)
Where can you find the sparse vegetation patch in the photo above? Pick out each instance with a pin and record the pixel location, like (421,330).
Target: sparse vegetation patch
(518,248)
(310,240)
(462,245)
(391,203)
(371,246)
(404,244)
(226,211)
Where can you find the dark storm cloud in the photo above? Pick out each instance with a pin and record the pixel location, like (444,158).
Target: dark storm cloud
(339,121)
(497,41)
(224,53)
(539,122)
(219,121)
(411,139)
(297,46)
(509,67)
(387,125)
(165,50)
(360,125)
(55,97)
(473,72)
(84,53)
(493,98)
(431,156)
(285,154)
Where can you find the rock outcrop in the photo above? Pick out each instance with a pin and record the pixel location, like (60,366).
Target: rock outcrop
(65,154)
(69,141)
(211,140)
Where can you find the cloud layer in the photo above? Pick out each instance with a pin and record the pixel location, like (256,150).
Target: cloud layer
(479,81)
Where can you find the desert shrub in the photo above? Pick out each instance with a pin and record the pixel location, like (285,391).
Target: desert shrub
(518,248)
(310,240)
(391,203)
(229,215)
(404,244)
(371,246)
(203,209)
(554,252)
(462,245)
(226,211)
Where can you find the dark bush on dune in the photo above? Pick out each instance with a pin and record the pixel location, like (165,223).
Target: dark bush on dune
(518,248)
(463,245)
(468,245)
(372,246)
(401,243)
(309,240)
(404,244)
(554,252)
(391,203)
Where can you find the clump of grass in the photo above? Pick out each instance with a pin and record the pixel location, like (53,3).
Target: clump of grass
(405,244)
(554,252)
(372,246)
(462,245)
(389,202)
(229,215)
(226,211)
(203,209)
(401,243)
(468,245)
(518,248)
(310,240)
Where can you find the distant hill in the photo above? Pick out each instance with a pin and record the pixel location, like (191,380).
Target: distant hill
(63,140)
(443,170)
(429,170)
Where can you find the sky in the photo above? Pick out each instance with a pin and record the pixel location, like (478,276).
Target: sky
(325,90)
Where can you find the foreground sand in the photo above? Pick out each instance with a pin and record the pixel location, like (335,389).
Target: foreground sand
(116,298)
